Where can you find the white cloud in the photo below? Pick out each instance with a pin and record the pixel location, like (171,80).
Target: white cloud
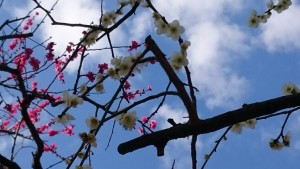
(194,11)
(213,50)
(213,47)
(139,26)
(282,31)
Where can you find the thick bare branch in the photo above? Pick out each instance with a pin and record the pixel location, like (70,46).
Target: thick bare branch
(10,164)
(212,124)
(173,78)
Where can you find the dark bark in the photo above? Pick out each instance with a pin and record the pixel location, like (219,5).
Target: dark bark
(6,163)
(218,122)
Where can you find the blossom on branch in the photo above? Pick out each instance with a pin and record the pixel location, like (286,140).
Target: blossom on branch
(64,118)
(90,38)
(71,100)
(290,89)
(92,123)
(287,139)
(89,138)
(174,30)
(177,60)
(275,144)
(237,128)
(250,123)
(83,88)
(127,120)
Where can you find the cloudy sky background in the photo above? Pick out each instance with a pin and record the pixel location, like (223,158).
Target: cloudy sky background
(231,64)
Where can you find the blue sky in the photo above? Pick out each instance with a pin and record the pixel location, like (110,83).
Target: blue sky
(231,64)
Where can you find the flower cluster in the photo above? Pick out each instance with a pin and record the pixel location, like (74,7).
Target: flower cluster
(83,88)
(89,138)
(281,6)
(255,19)
(92,123)
(172,30)
(68,130)
(90,37)
(122,66)
(49,48)
(58,64)
(178,60)
(290,89)
(35,63)
(108,18)
(51,148)
(71,100)
(64,118)
(100,86)
(238,127)
(275,144)
(130,95)
(91,76)
(127,120)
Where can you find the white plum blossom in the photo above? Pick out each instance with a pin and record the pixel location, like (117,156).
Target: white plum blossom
(125,66)
(71,100)
(282,5)
(237,128)
(250,123)
(99,87)
(111,72)
(83,88)
(254,19)
(64,118)
(161,27)
(184,46)
(108,18)
(290,89)
(90,38)
(89,138)
(92,123)
(99,77)
(156,16)
(174,30)
(177,60)
(275,144)
(264,18)
(116,62)
(287,139)
(127,120)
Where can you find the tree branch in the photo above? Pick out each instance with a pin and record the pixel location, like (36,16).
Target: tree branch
(193,117)
(212,124)
(26,35)
(10,164)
